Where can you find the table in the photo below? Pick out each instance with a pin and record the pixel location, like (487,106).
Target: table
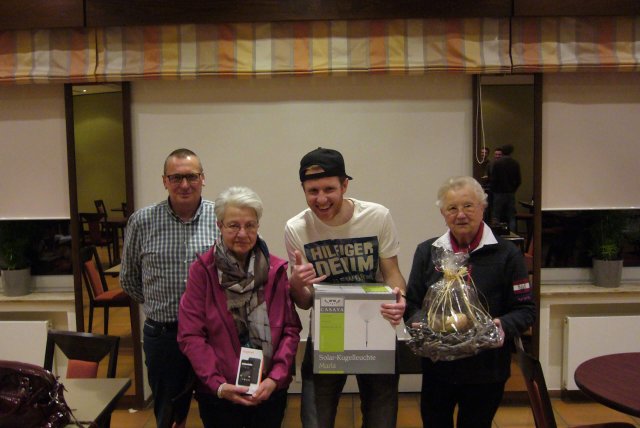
(115,225)
(113,270)
(94,399)
(613,380)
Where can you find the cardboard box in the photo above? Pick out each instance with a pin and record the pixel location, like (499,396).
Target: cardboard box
(349,333)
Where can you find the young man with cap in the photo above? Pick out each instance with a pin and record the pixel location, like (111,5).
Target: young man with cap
(342,240)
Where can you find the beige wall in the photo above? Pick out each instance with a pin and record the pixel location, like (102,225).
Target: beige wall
(401,137)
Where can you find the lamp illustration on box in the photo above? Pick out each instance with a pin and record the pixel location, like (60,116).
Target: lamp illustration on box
(367,311)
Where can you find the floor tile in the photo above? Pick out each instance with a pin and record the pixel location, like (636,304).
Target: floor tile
(514,416)
(587,413)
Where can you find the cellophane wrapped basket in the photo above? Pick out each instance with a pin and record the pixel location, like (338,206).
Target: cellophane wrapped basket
(452,323)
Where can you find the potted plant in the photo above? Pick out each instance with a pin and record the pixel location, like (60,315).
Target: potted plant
(15,270)
(607,239)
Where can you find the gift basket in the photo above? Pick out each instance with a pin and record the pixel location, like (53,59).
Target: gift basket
(452,323)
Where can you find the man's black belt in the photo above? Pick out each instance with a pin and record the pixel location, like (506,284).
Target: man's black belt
(165,325)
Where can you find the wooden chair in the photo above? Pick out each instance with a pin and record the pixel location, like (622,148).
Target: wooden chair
(101,208)
(84,351)
(95,235)
(539,395)
(99,295)
(107,228)
(125,210)
(528,257)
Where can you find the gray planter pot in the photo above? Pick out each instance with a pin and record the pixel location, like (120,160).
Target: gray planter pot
(16,282)
(607,273)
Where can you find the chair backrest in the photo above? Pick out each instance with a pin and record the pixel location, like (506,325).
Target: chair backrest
(125,210)
(92,272)
(100,207)
(536,387)
(94,222)
(528,257)
(84,351)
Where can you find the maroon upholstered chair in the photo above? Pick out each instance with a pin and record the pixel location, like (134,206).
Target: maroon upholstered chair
(94,233)
(99,295)
(539,396)
(84,351)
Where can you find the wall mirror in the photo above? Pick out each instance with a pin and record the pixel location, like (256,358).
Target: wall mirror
(508,112)
(101,193)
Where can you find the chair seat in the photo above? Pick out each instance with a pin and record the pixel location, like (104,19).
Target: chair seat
(113,296)
(79,369)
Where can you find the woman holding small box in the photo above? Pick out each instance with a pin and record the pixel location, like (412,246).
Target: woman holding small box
(237,296)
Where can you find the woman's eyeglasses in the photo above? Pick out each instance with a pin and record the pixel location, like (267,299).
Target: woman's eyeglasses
(454,210)
(248,228)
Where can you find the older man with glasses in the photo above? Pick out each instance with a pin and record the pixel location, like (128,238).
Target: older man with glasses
(161,242)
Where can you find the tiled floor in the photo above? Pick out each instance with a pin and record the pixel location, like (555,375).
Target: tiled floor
(508,416)
(567,414)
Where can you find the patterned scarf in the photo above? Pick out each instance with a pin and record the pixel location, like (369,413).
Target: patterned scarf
(244,289)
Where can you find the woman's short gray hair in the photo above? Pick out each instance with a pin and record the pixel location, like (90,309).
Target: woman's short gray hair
(238,196)
(459,182)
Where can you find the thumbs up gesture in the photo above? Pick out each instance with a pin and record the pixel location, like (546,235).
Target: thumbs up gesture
(304,273)
(303,276)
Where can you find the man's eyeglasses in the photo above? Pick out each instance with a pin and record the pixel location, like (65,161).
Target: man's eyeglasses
(454,210)
(177,178)
(249,228)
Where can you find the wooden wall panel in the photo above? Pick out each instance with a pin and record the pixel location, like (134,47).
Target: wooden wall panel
(29,14)
(32,14)
(153,12)
(576,7)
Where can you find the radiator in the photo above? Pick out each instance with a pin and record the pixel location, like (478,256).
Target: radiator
(23,341)
(588,337)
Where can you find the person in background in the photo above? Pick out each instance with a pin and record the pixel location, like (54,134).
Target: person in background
(161,242)
(335,222)
(238,296)
(497,268)
(505,180)
(497,153)
(485,172)
(485,164)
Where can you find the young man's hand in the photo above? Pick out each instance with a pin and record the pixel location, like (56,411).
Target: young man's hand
(303,276)
(393,312)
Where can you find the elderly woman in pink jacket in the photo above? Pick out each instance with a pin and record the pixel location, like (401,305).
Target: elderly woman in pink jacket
(237,296)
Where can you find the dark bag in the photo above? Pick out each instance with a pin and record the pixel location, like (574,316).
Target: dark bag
(31,397)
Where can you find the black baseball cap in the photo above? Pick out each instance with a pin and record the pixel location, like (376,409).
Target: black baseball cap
(331,161)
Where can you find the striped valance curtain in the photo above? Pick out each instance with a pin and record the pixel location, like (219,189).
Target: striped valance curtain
(575,44)
(474,45)
(42,56)
(479,45)
(187,51)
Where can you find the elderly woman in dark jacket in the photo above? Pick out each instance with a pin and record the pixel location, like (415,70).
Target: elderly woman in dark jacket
(237,296)
(497,267)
